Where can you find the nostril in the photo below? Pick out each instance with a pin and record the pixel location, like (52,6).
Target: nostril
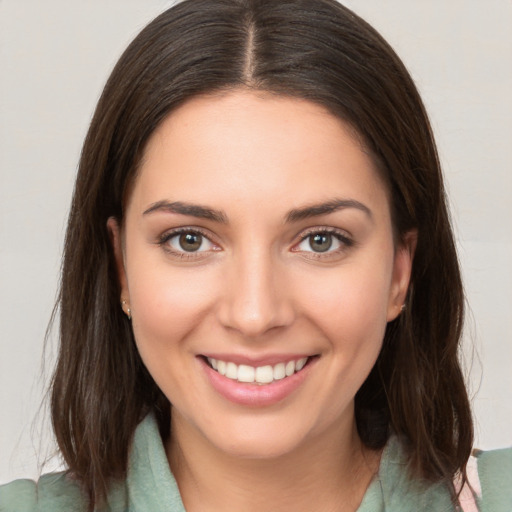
(254,319)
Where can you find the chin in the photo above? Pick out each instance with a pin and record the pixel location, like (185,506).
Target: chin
(260,437)
(260,447)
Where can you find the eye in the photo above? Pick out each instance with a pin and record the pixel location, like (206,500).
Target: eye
(187,242)
(318,242)
(323,241)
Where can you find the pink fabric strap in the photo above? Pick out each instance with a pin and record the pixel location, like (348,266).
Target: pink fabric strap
(467,497)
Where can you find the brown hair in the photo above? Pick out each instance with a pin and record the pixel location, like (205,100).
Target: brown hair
(313,49)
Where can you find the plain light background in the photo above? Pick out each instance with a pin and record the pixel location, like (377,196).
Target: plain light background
(54,59)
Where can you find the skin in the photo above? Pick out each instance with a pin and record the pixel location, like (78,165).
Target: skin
(256,288)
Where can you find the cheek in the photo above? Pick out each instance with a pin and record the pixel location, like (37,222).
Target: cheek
(169,306)
(350,303)
(168,303)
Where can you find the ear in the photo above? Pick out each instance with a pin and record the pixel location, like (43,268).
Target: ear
(402,267)
(114,231)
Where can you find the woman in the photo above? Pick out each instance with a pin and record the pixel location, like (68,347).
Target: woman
(259,237)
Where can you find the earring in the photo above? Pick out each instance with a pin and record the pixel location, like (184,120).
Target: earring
(126,309)
(403,307)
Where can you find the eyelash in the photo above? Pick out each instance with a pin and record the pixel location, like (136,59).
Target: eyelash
(164,239)
(341,236)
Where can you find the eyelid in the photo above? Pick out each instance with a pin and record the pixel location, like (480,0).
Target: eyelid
(171,233)
(341,235)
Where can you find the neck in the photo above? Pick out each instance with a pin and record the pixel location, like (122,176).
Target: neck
(330,472)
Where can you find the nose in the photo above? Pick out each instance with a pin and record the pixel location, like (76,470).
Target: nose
(256,297)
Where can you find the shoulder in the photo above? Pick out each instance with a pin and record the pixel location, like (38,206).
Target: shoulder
(20,495)
(400,491)
(149,480)
(494,479)
(489,474)
(53,492)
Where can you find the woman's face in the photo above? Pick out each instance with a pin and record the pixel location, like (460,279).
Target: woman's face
(258,238)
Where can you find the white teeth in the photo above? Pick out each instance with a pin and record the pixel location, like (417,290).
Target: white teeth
(246,373)
(300,364)
(232,371)
(221,367)
(259,375)
(264,374)
(279,371)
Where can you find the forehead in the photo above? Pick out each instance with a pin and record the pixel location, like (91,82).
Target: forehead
(246,147)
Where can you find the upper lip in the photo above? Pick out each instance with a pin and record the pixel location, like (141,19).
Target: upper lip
(269,359)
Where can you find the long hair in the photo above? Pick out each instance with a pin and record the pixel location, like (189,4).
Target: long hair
(317,50)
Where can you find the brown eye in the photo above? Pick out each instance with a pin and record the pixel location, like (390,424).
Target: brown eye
(190,242)
(187,242)
(320,242)
(323,242)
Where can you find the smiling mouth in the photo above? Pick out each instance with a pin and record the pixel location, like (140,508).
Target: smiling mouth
(260,375)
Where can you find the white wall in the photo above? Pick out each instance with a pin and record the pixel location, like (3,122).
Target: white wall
(54,58)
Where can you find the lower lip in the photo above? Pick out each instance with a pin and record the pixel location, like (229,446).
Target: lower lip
(253,394)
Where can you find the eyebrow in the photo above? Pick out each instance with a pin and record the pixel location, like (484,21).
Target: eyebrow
(326,208)
(194,210)
(295,215)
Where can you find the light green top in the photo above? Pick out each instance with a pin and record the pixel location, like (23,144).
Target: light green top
(151,487)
